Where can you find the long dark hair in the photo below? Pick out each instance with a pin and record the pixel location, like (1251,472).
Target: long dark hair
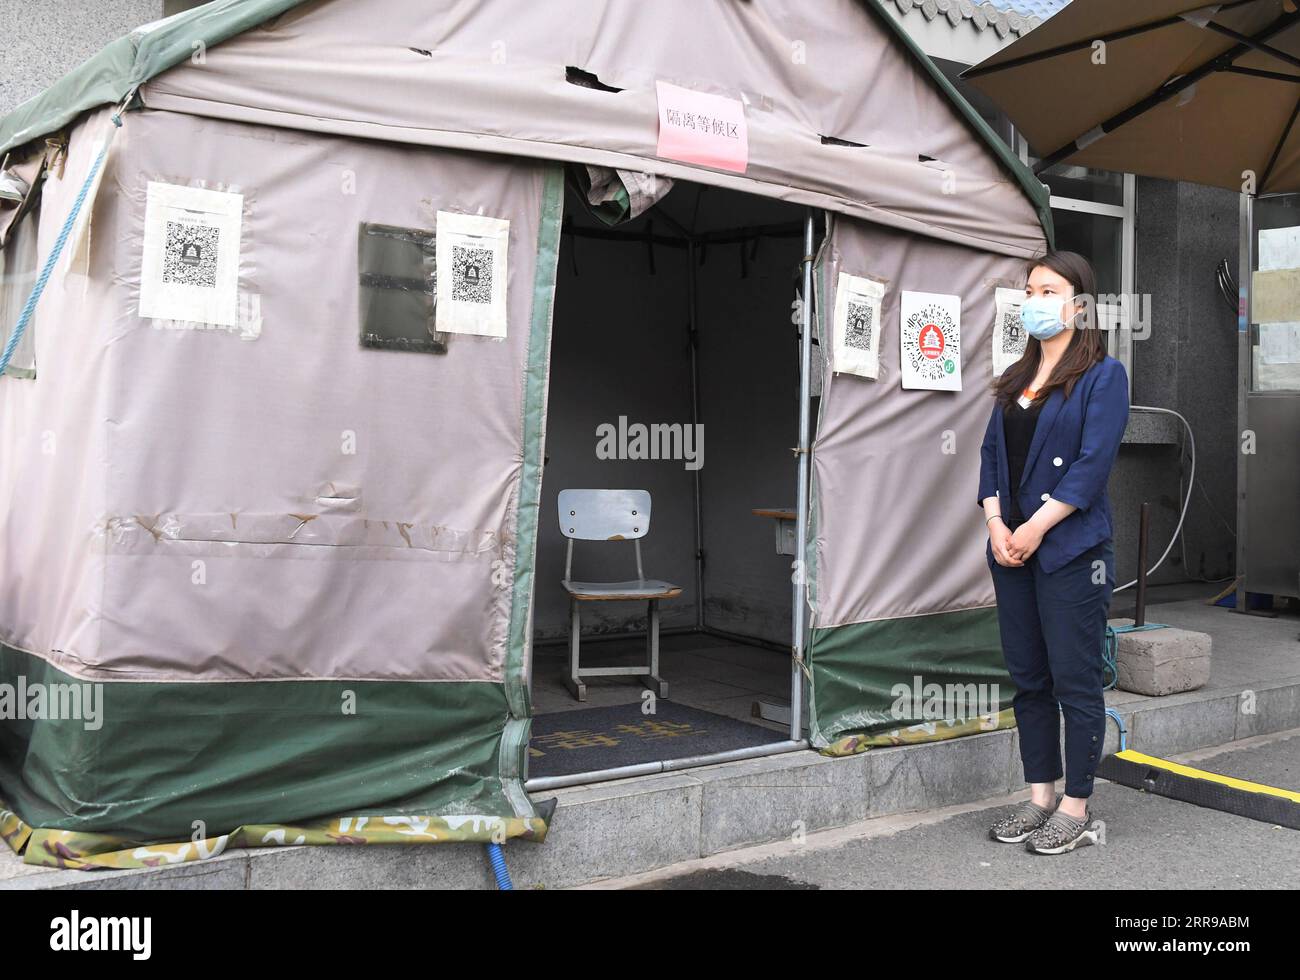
(1087,346)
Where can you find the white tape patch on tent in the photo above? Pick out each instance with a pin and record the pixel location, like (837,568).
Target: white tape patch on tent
(77,252)
(1009,337)
(930,341)
(857,326)
(471,255)
(190,267)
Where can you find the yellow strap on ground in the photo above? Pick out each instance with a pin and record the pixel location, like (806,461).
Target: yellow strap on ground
(1214,777)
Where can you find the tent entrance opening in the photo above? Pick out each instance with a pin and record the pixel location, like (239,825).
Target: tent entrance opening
(675,370)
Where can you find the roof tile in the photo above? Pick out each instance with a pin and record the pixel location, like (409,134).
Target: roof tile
(1004,16)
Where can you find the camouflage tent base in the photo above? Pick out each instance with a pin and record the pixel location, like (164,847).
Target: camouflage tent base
(84,851)
(926,731)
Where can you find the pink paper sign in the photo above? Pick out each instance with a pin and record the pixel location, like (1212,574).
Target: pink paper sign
(696,127)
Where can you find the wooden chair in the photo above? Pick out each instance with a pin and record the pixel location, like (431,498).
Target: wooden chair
(611,515)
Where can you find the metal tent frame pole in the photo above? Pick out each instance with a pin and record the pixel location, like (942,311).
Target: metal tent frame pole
(544,783)
(693,336)
(797,666)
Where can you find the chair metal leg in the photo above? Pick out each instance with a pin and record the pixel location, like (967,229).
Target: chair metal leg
(573,681)
(652,680)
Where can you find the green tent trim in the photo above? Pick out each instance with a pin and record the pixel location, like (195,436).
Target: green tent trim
(196,760)
(514,748)
(130,61)
(940,675)
(1037,192)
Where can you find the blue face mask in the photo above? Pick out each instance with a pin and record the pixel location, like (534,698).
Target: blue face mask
(1041,316)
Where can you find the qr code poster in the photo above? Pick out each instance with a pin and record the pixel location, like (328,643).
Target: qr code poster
(930,341)
(471,259)
(857,326)
(1009,335)
(190,267)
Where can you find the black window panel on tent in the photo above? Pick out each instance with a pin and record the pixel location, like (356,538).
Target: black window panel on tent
(397,289)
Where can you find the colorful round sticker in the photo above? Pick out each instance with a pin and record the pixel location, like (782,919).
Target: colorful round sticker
(930,342)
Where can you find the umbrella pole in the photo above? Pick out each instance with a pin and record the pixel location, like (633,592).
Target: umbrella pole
(1245,353)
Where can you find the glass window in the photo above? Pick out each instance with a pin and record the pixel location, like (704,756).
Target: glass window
(397,289)
(1097,236)
(1092,211)
(1083,183)
(1274,291)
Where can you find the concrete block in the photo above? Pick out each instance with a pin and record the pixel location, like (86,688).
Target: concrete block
(226,872)
(761,800)
(1015,766)
(370,866)
(1266,708)
(1162,661)
(1192,722)
(612,829)
(913,777)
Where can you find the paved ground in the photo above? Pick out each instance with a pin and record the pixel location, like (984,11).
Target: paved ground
(1152,842)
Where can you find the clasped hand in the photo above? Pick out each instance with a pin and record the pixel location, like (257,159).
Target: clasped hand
(1014,548)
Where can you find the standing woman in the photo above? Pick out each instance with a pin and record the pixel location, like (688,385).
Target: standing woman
(1058,417)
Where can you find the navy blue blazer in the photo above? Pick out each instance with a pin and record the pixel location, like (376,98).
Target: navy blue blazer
(1070,457)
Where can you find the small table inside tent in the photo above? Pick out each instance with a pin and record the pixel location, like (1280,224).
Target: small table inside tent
(769,708)
(785,530)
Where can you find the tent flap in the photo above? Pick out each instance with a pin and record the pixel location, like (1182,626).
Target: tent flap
(903,602)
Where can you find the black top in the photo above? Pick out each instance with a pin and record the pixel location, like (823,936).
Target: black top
(1019,424)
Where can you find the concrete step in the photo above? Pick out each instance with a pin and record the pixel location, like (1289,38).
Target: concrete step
(635,825)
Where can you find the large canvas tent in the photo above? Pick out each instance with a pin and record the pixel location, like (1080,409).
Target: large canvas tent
(297,547)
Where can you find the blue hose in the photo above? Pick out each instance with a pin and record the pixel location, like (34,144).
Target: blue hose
(1109,649)
(498,862)
(30,308)
(1123,731)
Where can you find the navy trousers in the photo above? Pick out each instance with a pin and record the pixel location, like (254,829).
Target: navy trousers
(1052,632)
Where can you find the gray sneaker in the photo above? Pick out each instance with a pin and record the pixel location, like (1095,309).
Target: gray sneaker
(1062,832)
(1022,821)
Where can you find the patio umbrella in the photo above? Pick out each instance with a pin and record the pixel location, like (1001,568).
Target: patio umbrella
(1174,89)
(1162,88)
